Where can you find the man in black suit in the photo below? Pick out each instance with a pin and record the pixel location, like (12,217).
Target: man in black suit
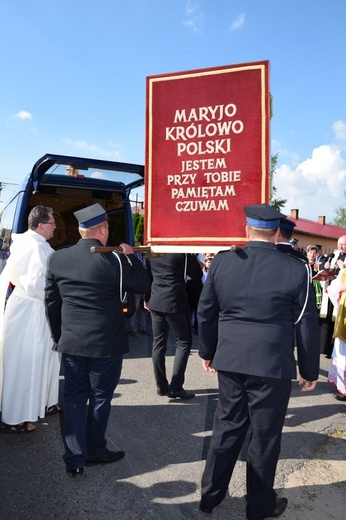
(286,229)
(253,300)
(320,256)
(169,308)
(84,308)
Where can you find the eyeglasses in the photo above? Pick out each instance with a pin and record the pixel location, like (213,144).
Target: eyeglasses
(52,223)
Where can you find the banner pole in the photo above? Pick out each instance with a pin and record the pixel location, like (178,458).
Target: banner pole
(110,249)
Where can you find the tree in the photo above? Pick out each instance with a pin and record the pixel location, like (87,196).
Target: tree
(276,203)
(138,225)
(340,215)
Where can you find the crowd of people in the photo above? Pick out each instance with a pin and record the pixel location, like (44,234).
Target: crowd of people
(330,306)
(63,310)
(329,299)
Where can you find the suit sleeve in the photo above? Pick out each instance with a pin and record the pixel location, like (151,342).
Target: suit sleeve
(147,294)
(208,320)
(307,332)
(194,270)
(53,304)
(135,275)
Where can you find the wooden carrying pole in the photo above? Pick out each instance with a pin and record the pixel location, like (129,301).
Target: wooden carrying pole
(109,249)
(152,253)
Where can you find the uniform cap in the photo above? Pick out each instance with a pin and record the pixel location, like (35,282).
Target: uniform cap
(287,224)
(318,246)
(263,216)
(90,216)
(293,241)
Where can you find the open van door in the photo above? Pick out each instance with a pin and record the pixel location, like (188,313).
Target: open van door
(67,184)
(49,163)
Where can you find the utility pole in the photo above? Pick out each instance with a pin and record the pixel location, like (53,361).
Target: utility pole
(4,184)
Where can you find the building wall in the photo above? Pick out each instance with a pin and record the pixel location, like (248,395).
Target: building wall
(328,245)
(327,234)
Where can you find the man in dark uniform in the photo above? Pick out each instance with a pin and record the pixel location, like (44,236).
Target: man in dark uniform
(294,243)
(84,308)
(286,229)
(320,256)
(251,303)
(169,309)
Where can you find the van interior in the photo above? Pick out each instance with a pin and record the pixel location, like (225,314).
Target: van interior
(66,200)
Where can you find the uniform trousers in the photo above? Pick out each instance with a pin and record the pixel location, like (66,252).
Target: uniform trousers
(180,326)
(93,379)
(246,401)
(327,329)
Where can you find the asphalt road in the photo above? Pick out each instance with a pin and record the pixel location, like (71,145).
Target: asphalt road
(166,443)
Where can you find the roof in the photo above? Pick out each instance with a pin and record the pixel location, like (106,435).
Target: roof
(309,227)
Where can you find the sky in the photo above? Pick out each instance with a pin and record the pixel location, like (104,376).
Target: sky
(73,81)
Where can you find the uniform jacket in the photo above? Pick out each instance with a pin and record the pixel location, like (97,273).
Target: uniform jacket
(247,310)
(83,302)
(168,274)
(289,250)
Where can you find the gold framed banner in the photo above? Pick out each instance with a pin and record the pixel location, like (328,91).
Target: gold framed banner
(207,155)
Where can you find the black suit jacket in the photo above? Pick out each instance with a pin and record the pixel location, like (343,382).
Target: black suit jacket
(247,310)
(168,274)
(83,300)
(288,250)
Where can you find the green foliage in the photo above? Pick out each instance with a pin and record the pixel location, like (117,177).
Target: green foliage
(138,225)
(340,215)
(276,203)
(273,164)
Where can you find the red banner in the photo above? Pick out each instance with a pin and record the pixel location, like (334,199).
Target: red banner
(207,154)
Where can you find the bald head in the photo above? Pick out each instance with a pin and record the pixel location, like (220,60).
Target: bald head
(342,244)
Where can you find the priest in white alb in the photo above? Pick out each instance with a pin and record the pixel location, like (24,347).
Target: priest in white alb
(29,367)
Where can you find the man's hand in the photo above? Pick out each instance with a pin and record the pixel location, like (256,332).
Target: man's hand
(307,386)
(206,365)
(127,250)
(340,264)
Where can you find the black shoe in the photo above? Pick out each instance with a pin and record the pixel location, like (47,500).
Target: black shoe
(340,397)
(75,472)
(108,456)
(182,394)
(206,510)
(162,391)
(281,504)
